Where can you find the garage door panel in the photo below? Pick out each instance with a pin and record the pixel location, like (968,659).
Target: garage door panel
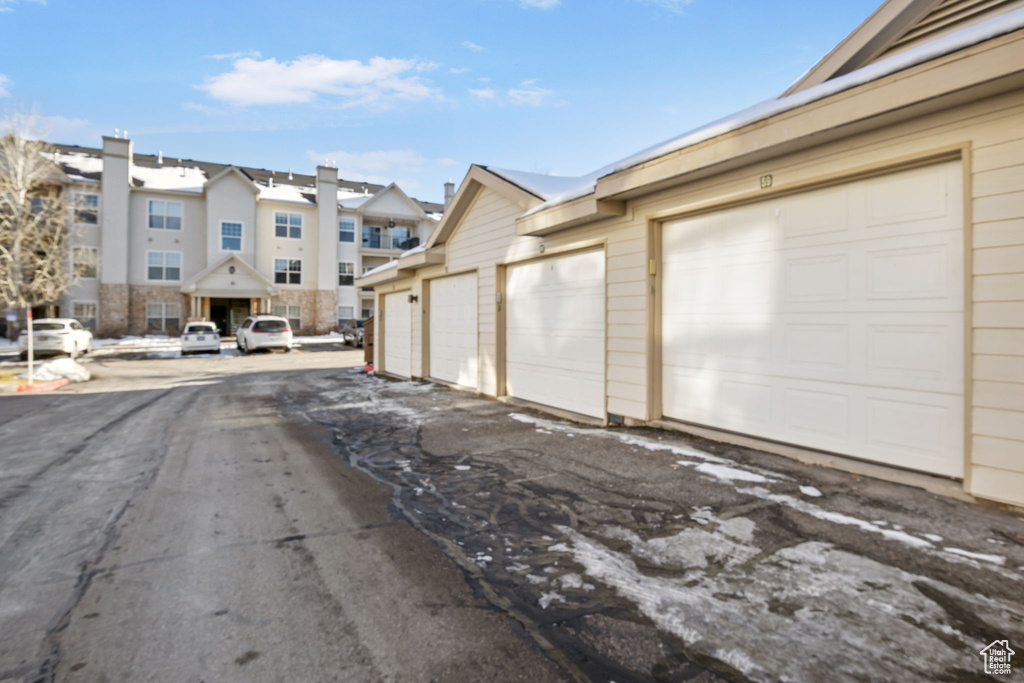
(398,334)
(555,332)
(851,343)
(454,308)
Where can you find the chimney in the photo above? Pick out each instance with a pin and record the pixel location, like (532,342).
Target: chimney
(449,192)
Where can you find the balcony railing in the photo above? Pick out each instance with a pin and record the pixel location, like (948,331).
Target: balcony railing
(391,239)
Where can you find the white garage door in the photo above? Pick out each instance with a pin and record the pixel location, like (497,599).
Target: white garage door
(398,334)
(830,319)
(453,331)
(555,332)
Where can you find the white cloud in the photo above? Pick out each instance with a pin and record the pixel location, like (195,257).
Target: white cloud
(354,83)
(540,4)
(484,93)
(8,5)
(255,54)
(4,83)
(470,45)
(381,167)
(674,6)
(459,70)
(444,162)
(530,95)
(486,79)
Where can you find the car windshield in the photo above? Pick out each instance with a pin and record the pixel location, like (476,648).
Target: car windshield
(270,325)
(48,327)
(199,328)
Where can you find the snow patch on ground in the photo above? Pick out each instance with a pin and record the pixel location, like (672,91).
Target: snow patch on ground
(547,598)
(810,491)
(730,473)
(753,615)
(59,369)
(462,467)
(994,559)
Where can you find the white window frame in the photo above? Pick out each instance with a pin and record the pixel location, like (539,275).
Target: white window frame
(240,237)
(342,316)
(288,225)
(367,313)
(287,271)
(95,263)
(165,202)
(75,204)
(351,272)
(96,308)
(181,265)
(288,309)
(163,317)
(347,221)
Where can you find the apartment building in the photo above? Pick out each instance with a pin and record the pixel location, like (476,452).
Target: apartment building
(158,241)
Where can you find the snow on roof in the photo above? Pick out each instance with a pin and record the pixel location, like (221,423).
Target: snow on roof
(415,250)
(181,178)
(958,40)
(381,268)
(288,193)
(542,185)
(76,161)
(353,202)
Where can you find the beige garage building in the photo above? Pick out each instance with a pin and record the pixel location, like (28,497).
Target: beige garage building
(839,269)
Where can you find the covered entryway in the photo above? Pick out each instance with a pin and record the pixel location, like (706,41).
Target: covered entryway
(555,332)
(453,329)
(831,319)
(228,314)
(397,335)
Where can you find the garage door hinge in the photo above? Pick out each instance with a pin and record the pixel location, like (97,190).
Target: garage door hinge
(653,267)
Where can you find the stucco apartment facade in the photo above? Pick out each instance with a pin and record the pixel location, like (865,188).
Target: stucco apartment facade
(159,241)
(839,270)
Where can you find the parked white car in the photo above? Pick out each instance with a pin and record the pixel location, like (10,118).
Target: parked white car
(200,338)
(264,332)
(56,335)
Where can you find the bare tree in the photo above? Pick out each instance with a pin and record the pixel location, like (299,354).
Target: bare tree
(34,225)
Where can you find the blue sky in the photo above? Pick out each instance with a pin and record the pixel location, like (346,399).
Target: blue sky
(405,90)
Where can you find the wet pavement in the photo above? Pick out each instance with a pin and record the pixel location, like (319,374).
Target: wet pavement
(635,554)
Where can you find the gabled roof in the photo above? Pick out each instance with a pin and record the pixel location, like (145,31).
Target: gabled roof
(233,170)
(366,207)
(477,178)
(190,285)
(897,26)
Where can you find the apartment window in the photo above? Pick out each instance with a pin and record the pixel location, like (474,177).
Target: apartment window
(345,313)
(371,236)
(367,313)
(164,215)
(400,237)
(83,261)
(293,313)
(86,208)
(163,265)
(85,313)
(288,225)
(163,317)
(230,236)
(346,274)
(287,271)
(346,230)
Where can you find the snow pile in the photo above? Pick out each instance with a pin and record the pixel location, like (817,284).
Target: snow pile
(59,369)
(288,193)
(138,342)
(6,344)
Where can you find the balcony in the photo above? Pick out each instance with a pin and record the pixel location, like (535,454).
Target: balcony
(388,241)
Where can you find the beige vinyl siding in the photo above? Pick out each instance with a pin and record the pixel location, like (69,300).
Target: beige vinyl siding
(992,132)
(948,16)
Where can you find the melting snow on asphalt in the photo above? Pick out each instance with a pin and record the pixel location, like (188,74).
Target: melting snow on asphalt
(730,601)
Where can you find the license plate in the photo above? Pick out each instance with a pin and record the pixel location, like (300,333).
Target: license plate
(201,338)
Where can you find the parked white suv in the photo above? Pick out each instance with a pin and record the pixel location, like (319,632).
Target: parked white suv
(56,335)
(200,338)
(264,332)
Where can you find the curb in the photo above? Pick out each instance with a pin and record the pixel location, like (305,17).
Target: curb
(44,386)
